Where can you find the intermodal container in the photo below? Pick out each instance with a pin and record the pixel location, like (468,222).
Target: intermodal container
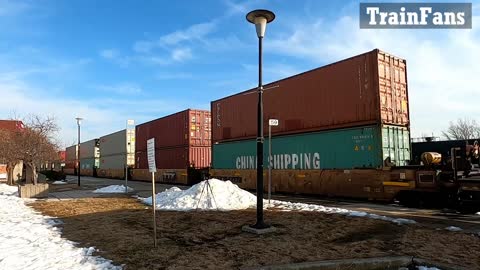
(121,143)
(88,163)
(71,154)
(180,157)
(189,127)
(112,161)
(89,149)
(362,147)
(11,125)
(370,88)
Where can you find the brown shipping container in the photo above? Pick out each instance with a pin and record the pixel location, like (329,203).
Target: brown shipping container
(189,127)
(370,88)
(176,158)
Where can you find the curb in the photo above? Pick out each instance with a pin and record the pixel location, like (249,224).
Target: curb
(379,263)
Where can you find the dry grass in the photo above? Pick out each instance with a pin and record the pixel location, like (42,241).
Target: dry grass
(122,229)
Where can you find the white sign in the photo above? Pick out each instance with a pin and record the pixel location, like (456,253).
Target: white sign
(151,155)
(273,122)
(131,122)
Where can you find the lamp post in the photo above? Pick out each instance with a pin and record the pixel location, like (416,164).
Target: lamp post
(79,121)
(260,18)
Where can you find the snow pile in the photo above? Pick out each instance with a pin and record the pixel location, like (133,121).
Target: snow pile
(290,206)
(453,229)
(31,241)
(113,189)
(60,183)
(221,195)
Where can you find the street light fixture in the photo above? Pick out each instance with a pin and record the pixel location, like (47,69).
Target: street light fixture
(79,121)
(260,18)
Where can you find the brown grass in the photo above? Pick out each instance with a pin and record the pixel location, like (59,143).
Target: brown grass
(122,229)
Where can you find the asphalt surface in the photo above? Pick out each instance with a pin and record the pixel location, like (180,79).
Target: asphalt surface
(434,218)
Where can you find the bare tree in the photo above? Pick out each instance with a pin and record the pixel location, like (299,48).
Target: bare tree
(8,152)
(33,144)
(463,129)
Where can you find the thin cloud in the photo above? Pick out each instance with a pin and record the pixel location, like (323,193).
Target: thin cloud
(115,56)
(122,89)
(273,72)
(173,75)
(154,60)
(181,54)
(194,32)
(109,53)
(143,46)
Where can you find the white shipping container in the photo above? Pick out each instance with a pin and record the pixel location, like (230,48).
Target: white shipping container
(89,149)
(118,143)
(114,161)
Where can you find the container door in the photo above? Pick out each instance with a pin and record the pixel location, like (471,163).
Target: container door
(200,156)
(393,90)
(396,144)
(199,131)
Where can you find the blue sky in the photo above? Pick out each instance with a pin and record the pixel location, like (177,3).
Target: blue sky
(109,61)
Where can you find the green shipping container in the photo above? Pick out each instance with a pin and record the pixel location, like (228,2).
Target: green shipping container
(364,147)
(89,163)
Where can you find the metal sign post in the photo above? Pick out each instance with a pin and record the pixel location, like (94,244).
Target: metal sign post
(130,125)
(152,168)
(271,122)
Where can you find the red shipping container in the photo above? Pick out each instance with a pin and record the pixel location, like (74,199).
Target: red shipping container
(370,88)
(189,127)
(180,157)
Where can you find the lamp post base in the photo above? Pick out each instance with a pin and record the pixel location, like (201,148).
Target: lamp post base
(255,229)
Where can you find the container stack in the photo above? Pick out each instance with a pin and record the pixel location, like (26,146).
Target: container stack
(89,157)
(70,159)
(350,114)
(182,141)
(117,150)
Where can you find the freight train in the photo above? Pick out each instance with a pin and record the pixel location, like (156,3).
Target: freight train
(344,130)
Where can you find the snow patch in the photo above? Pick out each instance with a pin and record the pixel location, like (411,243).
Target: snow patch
(218,194)
(228,196)
(426,268)
(453,229)
(33,241)
(8,190)
(113,189)
(289,206)
(59,183)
